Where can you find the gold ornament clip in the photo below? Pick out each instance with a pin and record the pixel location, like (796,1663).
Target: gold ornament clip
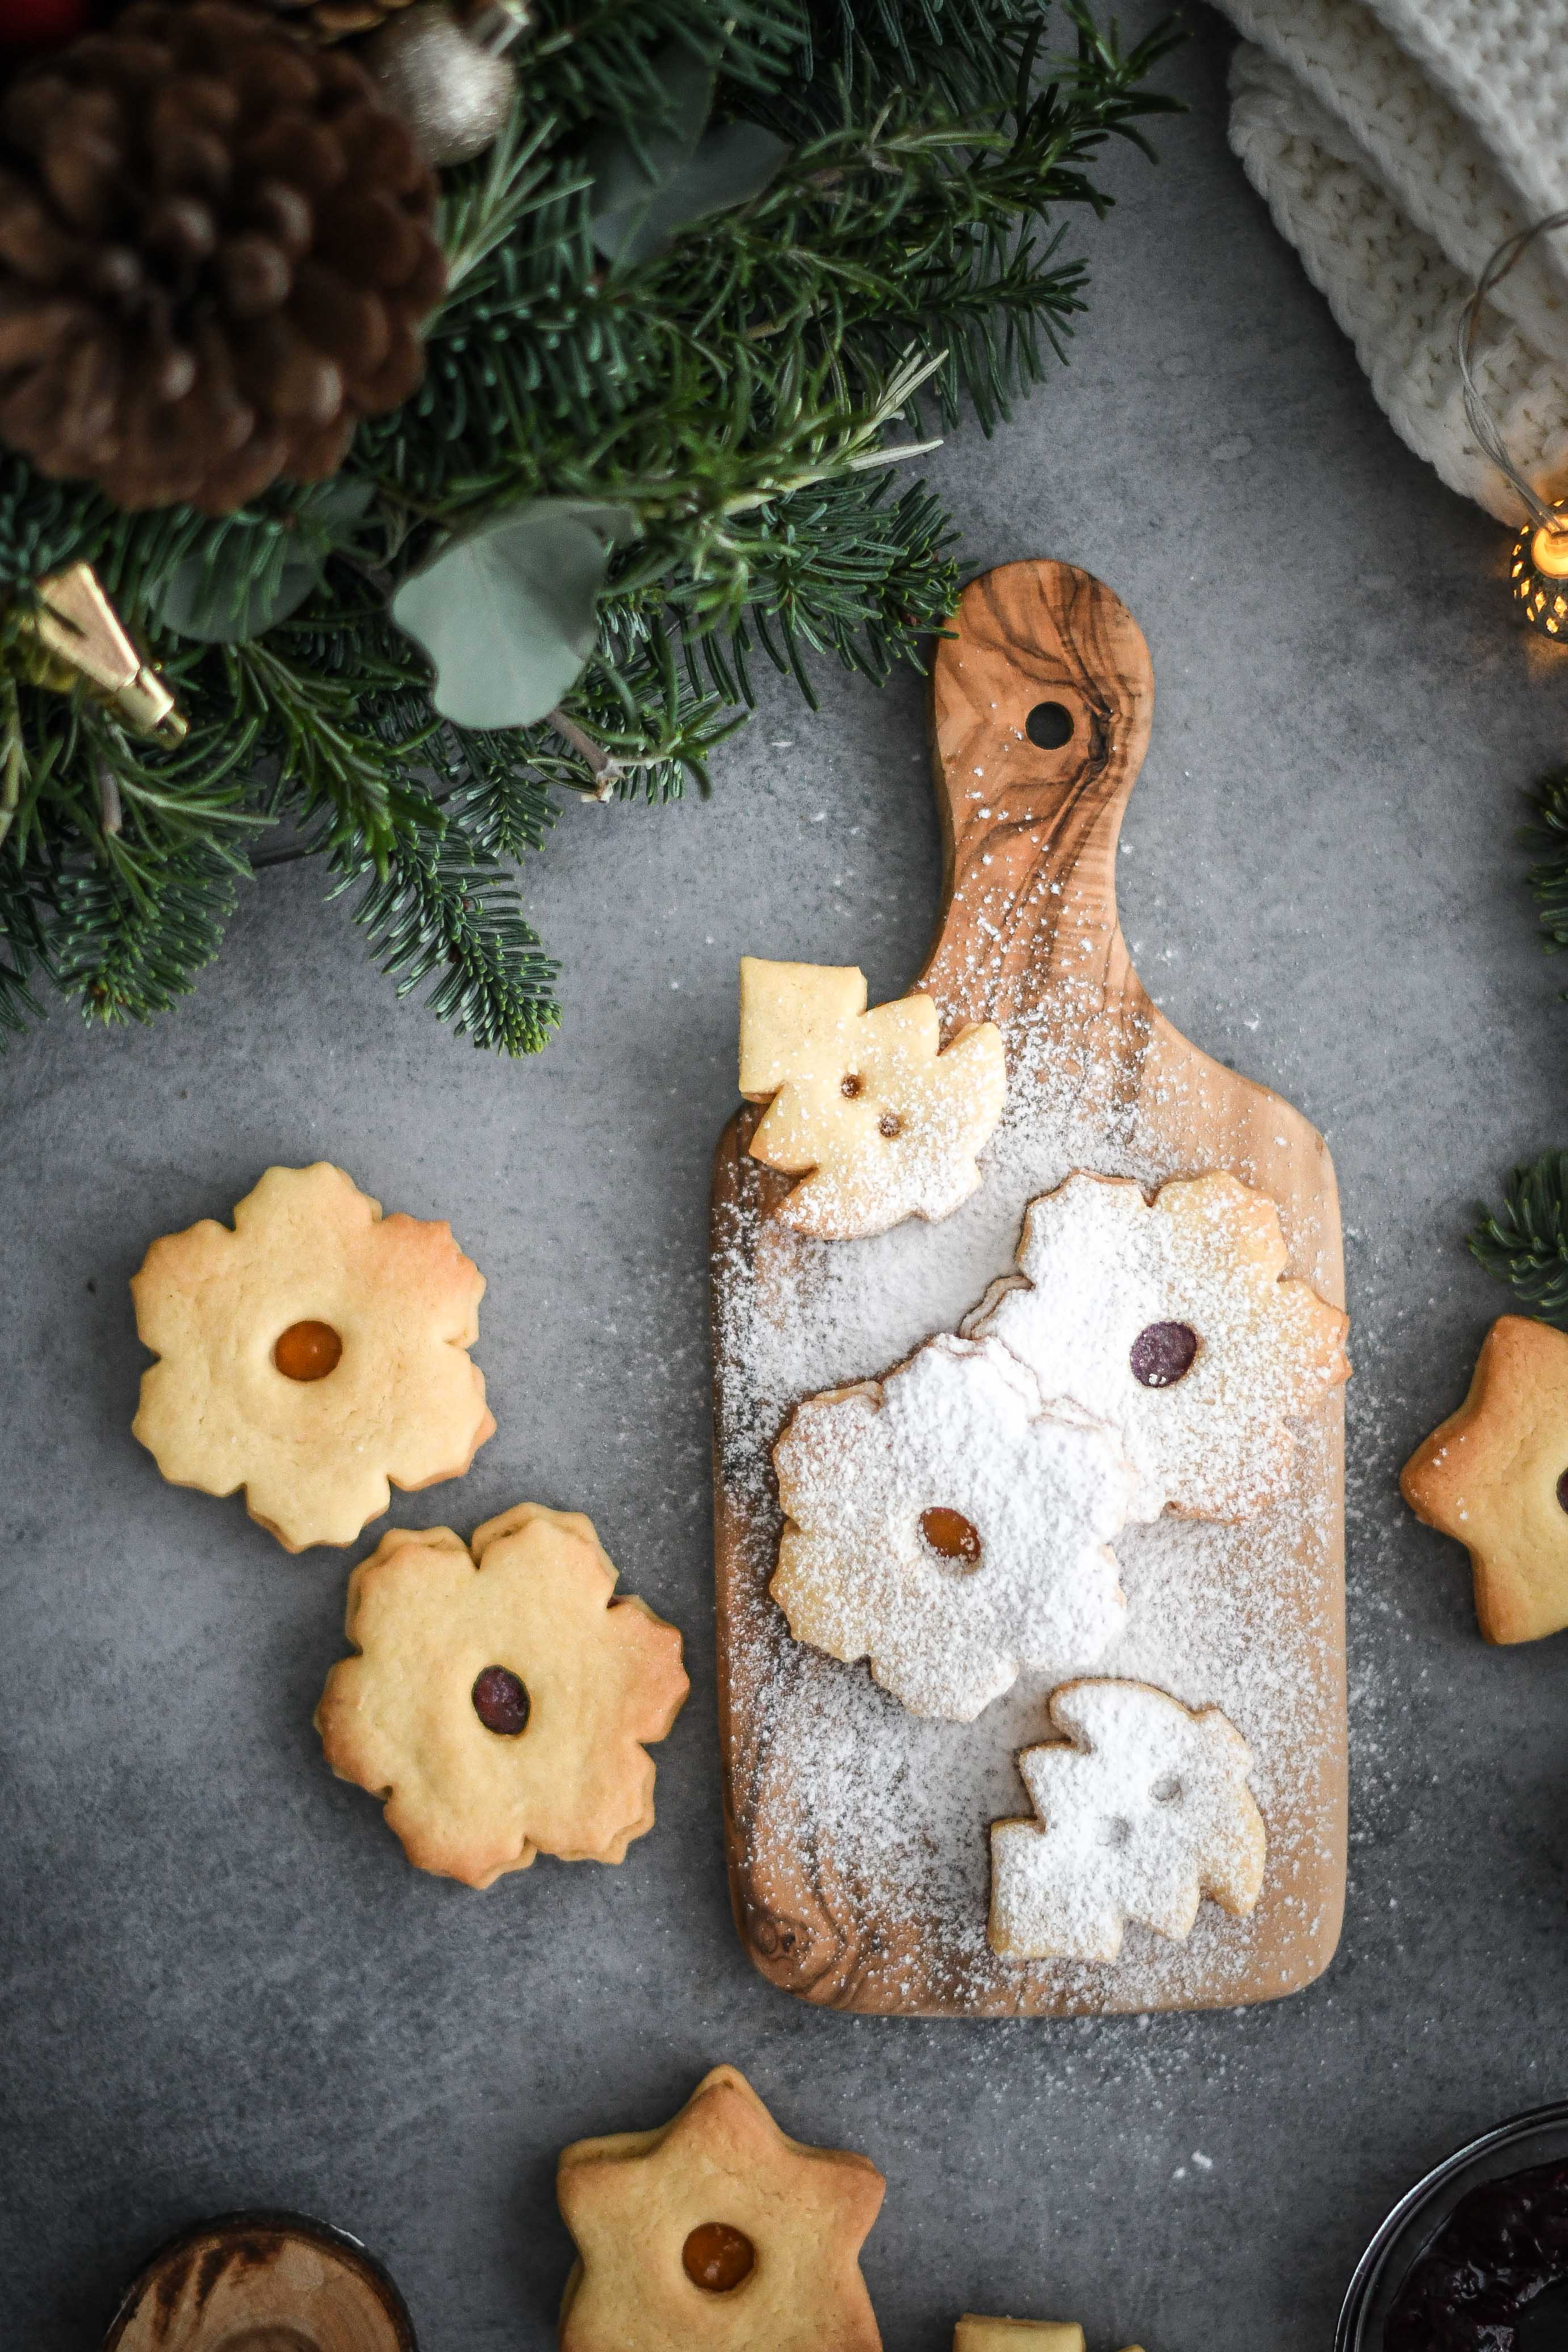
(77,632)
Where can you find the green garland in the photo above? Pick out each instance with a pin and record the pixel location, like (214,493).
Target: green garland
(1525,1242)
(726,392)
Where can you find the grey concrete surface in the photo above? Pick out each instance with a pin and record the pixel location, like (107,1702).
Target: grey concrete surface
(222,1985)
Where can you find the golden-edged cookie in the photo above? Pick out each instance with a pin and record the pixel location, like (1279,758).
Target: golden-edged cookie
(316,1355)
(975,2334)
(716,2234)
(881,1124)
(1495,1476)
(502,1695)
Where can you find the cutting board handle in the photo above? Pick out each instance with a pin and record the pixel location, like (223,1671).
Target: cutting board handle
(1041,701)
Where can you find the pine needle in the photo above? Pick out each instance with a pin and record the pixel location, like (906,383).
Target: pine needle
(1525,1244)
(747,392)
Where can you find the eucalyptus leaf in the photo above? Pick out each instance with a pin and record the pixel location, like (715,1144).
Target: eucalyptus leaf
(256,573)
(732,162)
(645,193)
(508,614)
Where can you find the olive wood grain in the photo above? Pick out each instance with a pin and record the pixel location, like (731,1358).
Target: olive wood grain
(1029,937)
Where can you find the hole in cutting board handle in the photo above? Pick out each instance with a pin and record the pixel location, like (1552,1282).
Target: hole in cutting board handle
(1049,726)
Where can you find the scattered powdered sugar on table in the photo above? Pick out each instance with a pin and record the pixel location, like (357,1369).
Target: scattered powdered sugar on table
(887,1815)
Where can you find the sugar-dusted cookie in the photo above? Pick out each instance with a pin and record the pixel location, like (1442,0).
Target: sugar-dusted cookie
(881,1124)
(502,1695)
(942,1522)
(1144,1814)
(1495,1476)
(311,1356)
(716,2233)
(1169,1320)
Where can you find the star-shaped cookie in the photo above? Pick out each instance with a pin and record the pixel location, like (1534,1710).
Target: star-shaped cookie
(1495,1476)
(716,2234)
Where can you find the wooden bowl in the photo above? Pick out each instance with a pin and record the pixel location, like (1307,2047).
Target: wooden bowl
(262,2282)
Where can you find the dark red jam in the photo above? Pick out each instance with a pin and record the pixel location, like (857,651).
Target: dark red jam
(1500,2248)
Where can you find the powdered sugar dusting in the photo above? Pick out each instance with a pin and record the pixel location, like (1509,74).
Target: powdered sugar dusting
(1146,1813)
(1099,1266)
(961,1428)
(868,1826)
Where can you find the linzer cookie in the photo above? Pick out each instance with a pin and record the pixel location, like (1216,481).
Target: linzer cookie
(716,2234)
(316,1355)
(879,1124)
(502,1695)
(1143,1814)
(1169,1319)
(1495,1476)
(943,1523)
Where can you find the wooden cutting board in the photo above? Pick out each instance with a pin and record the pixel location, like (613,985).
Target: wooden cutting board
(858,1852)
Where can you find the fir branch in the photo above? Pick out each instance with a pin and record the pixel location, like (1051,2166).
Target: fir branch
(1525,1244)
(128,952)
(743,391)
(1547,880)
(26,902)
(444,908)
(507,809)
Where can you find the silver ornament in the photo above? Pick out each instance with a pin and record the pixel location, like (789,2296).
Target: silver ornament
(455,91)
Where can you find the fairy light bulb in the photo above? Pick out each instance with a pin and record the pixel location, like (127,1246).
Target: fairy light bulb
(1540,575)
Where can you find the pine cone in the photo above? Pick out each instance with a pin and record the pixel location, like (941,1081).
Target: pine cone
(216,253)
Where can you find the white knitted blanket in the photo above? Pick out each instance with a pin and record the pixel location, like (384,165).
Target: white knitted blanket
(1396,142)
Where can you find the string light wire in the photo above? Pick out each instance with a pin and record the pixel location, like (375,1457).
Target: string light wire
(1482,423)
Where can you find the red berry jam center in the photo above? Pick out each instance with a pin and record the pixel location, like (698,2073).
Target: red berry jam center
(951,1536)
(500,1701)
(307,1351)
(1563,1490)
(717,2258)
(1162,1353)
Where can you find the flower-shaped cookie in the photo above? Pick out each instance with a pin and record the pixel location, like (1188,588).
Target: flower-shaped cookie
(502,1695)
(1169,1320)
(1147,1814)
(716,2233)
(310,1356)
(1495,1475)
(943,1522)
(886,1125)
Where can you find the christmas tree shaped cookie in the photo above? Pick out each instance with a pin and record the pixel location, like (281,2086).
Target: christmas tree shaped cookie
(502,1695)
(1495,1476)
(1146,1811)
(716,2234)
(879,1123)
